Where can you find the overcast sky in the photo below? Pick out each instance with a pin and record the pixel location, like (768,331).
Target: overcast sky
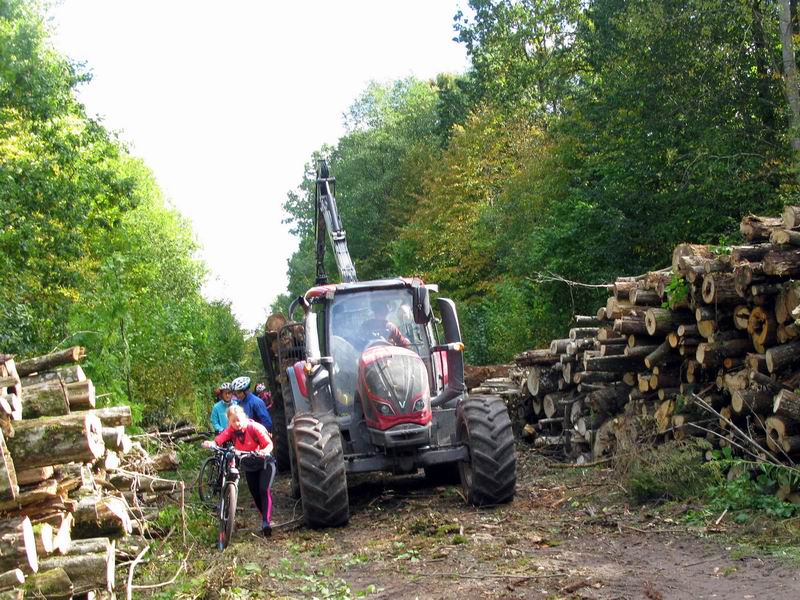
(226,101)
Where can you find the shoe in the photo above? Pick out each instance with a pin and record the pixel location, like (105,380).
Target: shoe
(266,531)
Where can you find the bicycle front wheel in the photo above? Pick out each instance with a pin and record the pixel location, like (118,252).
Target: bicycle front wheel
(227,515)
(208,481)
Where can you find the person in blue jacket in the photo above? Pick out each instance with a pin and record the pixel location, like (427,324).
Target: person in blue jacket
(253,406)
(219,417)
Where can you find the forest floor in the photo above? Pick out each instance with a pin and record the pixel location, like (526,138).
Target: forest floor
(570,533)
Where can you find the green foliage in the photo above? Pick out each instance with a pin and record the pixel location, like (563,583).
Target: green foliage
(90,248)
(677,291)
(673,471)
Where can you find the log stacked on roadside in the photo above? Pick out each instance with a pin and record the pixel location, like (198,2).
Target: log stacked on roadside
(720,328)
(63,497)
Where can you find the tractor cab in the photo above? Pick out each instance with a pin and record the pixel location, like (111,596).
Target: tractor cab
(383,364)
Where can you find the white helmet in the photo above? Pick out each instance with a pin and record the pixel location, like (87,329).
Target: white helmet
(240,384)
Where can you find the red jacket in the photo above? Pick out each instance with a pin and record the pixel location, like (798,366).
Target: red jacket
(254,437)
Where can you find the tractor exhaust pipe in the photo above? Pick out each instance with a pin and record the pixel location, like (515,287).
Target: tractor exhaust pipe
(455,358)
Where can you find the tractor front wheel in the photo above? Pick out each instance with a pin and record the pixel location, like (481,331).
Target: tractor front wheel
(490,476)
(321,473)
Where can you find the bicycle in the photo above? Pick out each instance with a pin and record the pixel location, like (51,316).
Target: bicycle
(229,460)
(209,481)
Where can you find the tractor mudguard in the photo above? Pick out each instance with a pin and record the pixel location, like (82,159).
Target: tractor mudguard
(299,399)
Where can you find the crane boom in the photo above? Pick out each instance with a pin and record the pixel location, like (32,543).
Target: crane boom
(327,218)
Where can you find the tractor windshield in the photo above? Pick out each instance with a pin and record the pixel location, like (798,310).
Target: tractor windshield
(362,319)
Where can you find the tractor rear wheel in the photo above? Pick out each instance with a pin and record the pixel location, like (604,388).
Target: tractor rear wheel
(490,476)
(321,473)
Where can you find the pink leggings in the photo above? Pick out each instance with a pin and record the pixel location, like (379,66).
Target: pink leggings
(259,483)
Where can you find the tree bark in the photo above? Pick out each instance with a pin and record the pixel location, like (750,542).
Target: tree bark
(57,440)
(9,486)
(11,579)
(755,228)
(81,395)
(70,374)
(114,416)
(780,357)
(45,400)
(101,516)
(787,404)
(751,401)
(790,75)
(53,584)
(87,571)
(659,356)
(782,263)
(50,361)
(661,321)
(18,546)
(763,328)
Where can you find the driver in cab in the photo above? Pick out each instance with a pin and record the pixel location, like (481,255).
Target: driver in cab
(380,327)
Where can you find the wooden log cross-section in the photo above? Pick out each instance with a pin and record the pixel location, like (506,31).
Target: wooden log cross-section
(46,441)
(18,546)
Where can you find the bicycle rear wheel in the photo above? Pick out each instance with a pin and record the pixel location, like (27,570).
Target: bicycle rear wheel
(227,515)
(208,481)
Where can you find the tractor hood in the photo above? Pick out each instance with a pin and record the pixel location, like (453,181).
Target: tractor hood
(393,387)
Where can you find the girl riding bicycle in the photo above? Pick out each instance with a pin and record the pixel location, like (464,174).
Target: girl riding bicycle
(250,436)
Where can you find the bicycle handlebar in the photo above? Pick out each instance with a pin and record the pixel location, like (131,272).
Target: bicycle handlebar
(240,453)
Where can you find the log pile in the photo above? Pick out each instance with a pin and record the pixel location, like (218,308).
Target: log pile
(707,347)
(72,482)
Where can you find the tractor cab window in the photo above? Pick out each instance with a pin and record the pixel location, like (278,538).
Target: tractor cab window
(362,319)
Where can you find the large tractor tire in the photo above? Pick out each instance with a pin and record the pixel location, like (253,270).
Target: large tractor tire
(321,472)
(490,476)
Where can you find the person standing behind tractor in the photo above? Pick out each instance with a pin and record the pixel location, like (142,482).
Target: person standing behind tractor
(263,393)
(252,405)
(249,436)
(219,419)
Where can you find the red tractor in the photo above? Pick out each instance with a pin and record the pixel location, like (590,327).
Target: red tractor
(370,380)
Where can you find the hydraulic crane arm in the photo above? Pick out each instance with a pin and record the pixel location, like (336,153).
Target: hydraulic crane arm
(327,218)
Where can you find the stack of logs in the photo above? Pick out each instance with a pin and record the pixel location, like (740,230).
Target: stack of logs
(709,347)
(66,496)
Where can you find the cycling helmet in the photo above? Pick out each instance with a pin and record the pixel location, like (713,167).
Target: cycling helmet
(240,384)
(260,388)
(224,387)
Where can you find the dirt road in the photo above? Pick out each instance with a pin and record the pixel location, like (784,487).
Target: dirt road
(568,534)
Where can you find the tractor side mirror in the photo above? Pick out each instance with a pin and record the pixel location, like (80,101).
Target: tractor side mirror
(422,305)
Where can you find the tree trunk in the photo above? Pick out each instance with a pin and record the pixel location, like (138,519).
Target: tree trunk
(755,229)
(46,399)
(50,361)
(32,476)
(70,374)
(711,354)
(787,404)
(790,74)
(114,416)
(612,363)
(53,584)
(101,516)
(18,546)
(791,215)
(57,440)
(780,357)
(763,328)
(751,401)
(81,395)
(661,321)
(630,325)
(87,570)
(11,579)
(9,485)
(720,288)
(782,263)
(780,436)
(659,356)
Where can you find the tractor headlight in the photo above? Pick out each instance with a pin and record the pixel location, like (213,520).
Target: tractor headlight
(419,405)
(385,409)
